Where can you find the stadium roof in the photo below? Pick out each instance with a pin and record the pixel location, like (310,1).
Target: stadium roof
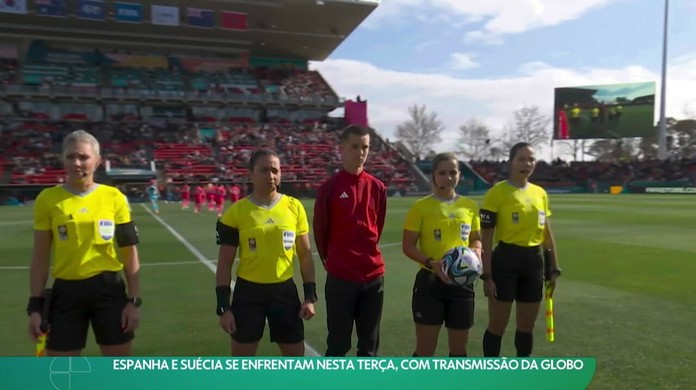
(301,29)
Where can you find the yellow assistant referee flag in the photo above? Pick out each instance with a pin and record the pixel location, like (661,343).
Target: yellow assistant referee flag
(550,332)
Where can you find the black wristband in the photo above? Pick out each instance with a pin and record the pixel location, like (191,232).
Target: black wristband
(35,305)
(223,294)
(310,292)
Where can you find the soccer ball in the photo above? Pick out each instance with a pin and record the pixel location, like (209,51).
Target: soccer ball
(462,265)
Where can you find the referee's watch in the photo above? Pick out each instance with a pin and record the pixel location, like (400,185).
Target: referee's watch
(221,310)
(137,301)
(556,271)
(428,263)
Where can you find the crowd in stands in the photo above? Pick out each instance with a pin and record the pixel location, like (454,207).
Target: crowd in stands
(560,173)
(193,152)
(173,82)
(8,71)
(200,152)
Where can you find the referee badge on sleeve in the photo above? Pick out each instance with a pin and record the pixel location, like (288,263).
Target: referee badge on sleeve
(542,218)
(288,239)
(515,217)
(106,229)
(465,229)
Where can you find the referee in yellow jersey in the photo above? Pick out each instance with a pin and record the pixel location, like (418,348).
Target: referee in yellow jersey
(267,227)
(515,214)
(434,225)
(82,222)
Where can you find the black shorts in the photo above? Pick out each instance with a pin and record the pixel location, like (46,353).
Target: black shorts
(279,303)
(75,303)
(435,302)
(518,273)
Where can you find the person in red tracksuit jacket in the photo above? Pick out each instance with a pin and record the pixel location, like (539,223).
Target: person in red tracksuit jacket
(348,219)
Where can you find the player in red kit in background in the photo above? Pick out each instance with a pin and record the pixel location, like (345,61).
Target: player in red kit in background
(211,193)
(348,220)
(185,196)
(235,193)
(221,193)
(199,199)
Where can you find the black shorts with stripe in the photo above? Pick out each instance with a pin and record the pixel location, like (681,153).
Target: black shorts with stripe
(75,304)
(254,303)
(435,302)
(518,273)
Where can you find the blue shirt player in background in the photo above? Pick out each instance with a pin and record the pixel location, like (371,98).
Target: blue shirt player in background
(154,194)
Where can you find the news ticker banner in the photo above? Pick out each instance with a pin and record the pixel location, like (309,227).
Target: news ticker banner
(78,373)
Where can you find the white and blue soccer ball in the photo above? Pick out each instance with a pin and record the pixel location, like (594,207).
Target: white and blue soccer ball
(462,265)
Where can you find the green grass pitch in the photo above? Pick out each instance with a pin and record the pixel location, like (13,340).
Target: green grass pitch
(626,296)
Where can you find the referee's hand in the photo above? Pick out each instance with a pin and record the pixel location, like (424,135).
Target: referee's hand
(130,318)
(227,322)
(440,271)
(35,326)
(307,311)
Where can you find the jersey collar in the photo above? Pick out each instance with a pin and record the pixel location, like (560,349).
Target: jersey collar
(82,194)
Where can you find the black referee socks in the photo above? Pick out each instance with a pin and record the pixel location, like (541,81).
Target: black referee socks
(523,343)
(491,344)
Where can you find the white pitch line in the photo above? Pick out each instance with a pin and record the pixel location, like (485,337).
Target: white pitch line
(308,348)
(23,222)
(182,240)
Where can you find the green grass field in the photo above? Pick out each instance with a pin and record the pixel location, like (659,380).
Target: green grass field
(626,296)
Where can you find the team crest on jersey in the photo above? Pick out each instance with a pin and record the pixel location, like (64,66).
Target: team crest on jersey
(437,233)
(106,229)
(252,244)
(62,232)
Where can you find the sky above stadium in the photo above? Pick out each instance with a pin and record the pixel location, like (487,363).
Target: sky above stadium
(484,59)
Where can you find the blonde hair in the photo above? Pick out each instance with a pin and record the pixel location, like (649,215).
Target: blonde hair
(81,136)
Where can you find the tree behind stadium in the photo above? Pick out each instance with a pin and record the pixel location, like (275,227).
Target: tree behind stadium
(475,141)
(528,125)
(420,132)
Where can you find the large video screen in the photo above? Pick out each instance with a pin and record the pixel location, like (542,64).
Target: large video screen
(604,111)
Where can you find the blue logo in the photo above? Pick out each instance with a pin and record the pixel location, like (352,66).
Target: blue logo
(91,9)
(128,12)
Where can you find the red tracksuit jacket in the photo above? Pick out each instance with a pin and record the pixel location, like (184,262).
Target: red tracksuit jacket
(348,220)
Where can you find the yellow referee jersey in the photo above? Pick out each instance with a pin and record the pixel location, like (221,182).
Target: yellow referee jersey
(267,237)
(521,213)
(442,225)
(83,228)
